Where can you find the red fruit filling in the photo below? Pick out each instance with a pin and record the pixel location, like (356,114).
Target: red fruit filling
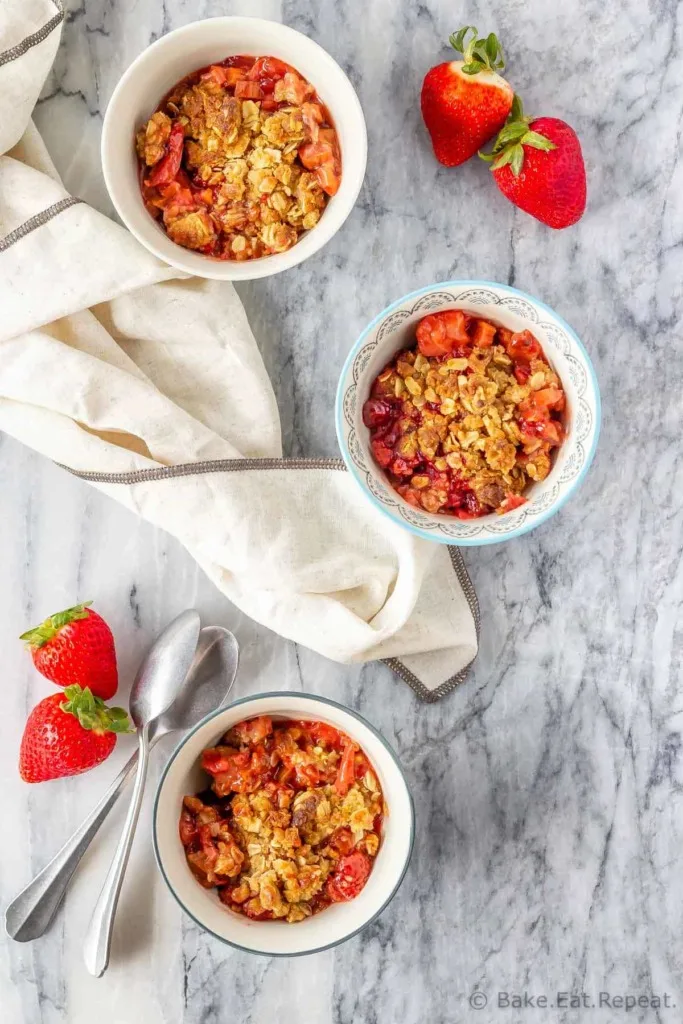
(291,823)
(239,159)
(465,421)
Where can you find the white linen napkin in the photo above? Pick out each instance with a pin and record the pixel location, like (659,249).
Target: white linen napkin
(151,386)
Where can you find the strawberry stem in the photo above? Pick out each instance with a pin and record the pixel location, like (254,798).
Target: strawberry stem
(48,630)
(512,138)
(478,54)
(92,713)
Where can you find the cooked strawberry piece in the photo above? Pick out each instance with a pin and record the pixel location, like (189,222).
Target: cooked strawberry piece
(410,495)
(540,404)
(462,499)
(471,508)
(523,347)
(326,735)
(180,188)
(383,454)
(542,427)
(312,114)
(343,840)
(187,828)
(247,90)
(177,199)
(167,168)
(314,154)
(431,337)
(209,849)
(442,334)
(322,158)
(456,325)
(531,412)
(200,868)
(328,178)
(223,759)
(510,503)
(484,333)
(377,412)
(349,877)
(223,76)
(553,433)
(254,730)
(329,136)
(267,71)
(549,398)
(346,774)
(403,467)
(307,775)
(241,772)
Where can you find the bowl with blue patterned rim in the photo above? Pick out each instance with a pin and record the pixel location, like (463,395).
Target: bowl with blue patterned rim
(394,329)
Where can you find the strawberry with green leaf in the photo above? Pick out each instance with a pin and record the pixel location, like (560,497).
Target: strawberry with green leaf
(538,164)
(75,646)
(466,102)
(67,737)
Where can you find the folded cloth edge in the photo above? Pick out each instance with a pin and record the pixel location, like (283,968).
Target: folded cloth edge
(239,465)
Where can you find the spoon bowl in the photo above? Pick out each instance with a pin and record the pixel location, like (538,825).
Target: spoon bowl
(164,670)
(207,685)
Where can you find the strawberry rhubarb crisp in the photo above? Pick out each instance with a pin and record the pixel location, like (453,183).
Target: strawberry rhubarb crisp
(240,159)
(466,421)
(291,822)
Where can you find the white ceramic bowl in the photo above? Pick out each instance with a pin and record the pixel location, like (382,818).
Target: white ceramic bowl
(394,329)
(336,923)
(177,54)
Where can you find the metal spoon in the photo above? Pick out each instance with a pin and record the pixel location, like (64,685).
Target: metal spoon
(207,686)
(156,686)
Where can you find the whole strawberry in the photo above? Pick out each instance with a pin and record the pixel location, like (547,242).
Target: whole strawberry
(67,737)
(75,647)
(466,102)
(538,165)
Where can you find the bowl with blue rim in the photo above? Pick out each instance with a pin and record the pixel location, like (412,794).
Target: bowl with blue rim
(394,330)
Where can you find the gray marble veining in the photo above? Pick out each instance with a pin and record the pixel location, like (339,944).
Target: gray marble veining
(549,788)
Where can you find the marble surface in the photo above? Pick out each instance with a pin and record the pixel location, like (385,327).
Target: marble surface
(549,788)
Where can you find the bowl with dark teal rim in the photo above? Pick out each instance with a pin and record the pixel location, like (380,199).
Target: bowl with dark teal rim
(183,775)
(394,329)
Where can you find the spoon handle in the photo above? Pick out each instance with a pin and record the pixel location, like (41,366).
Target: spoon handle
(97,943)
(31,912)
